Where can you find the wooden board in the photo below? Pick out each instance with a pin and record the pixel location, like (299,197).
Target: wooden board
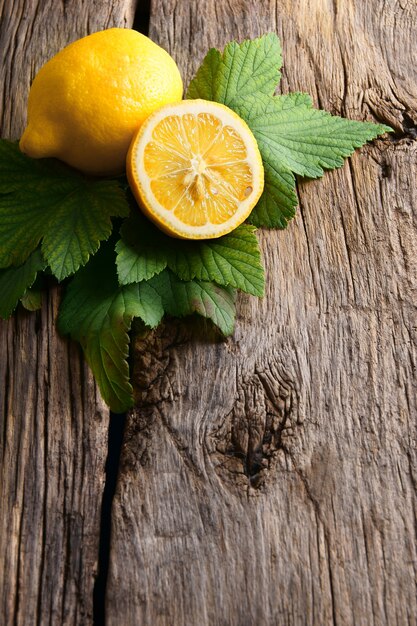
(270,479)
(53,424)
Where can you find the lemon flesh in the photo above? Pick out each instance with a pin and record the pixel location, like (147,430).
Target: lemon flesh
(195,169)
(87,102)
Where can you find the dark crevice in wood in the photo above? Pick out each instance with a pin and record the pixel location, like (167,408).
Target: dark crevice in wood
(115,442)
(45,492)
(7,383)
(17,598)
(247,441)
(409,126)
(408,129)
(142,17)
(386,169)
(256,458)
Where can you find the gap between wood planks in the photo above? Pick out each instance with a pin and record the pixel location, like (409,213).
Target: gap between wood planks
(115,438)
(115,441)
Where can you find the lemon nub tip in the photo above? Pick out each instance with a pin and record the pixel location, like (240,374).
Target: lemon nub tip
(38,145)
(128,77)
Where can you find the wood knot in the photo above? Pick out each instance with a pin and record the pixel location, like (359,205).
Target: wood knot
(247,444)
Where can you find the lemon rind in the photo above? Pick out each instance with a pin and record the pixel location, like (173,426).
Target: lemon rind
(141,183)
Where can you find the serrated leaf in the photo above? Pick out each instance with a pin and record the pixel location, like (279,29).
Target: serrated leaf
(204,84)
(293,135)
(45,201)
(14,281)
(181,298)
(277,204)
(141,251)
(32,299)
(98,313)
(249,68)
(13,162)
(233,259)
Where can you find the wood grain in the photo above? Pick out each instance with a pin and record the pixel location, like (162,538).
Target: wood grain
(271,479)
(53,424)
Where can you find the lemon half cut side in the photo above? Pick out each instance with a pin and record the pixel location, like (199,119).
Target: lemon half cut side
(195,169)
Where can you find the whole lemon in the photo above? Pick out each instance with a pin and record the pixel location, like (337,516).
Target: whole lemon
(87,102)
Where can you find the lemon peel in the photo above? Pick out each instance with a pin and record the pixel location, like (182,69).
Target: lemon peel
(86,103)
(195,169)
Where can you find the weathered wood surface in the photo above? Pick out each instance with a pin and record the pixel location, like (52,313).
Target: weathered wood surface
(270,479)
(53,425)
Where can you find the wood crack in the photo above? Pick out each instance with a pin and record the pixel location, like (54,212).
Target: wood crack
(142,16)
(115,442)
(409,126)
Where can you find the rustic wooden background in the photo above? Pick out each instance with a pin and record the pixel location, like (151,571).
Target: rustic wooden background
(269,479)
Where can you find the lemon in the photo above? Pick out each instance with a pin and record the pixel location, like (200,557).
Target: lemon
(195,169)
(86,103)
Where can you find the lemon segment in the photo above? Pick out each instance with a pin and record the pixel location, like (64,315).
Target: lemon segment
(86,103)
(195,169)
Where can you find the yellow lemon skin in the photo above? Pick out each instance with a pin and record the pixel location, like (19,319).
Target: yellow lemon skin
(195,169)
(87,102)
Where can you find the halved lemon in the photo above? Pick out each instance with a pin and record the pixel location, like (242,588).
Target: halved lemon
(195,169)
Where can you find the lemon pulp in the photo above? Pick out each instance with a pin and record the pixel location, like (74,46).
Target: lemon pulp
(195,169)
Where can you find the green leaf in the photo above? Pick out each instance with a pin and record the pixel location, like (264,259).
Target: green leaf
(293,135)
(276,206)
(233,259)
(32,299)
(43,200)
(14,282)
(204,85)
(141,251)
(14,165)
(181,298)
(245,69)
(98,313)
